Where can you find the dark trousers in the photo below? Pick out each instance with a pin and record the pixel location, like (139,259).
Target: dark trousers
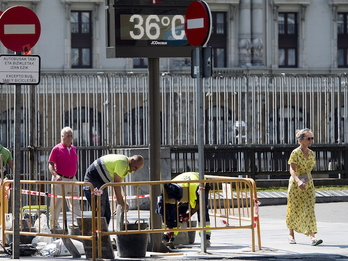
(93,177)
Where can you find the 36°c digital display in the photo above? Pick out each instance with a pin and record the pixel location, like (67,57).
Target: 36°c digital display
(160,28)
(150,28)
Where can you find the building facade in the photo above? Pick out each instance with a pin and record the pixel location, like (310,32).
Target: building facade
(279,65)
(265,35)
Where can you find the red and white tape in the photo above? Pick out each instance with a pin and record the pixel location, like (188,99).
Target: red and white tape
(43,194)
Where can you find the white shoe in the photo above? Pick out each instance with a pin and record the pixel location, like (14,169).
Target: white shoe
(315,242)
(291,240)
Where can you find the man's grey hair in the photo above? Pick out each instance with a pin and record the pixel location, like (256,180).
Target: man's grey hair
(66,129)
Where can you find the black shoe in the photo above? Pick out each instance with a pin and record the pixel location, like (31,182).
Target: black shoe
(168,240)
(169,244)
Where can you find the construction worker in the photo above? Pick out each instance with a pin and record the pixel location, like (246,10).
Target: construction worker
(186,210)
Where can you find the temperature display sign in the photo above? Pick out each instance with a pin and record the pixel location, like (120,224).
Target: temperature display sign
(165,28)
(148,28)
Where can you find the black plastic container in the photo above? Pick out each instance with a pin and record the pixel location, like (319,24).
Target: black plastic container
(132,245)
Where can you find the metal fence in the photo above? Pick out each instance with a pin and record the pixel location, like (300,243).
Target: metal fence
(260,161)
(232,204)
(110,110)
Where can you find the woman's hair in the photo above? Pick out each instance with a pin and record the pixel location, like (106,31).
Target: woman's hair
(301,133)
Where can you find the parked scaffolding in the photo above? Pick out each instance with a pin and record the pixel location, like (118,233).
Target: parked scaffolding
(232,205)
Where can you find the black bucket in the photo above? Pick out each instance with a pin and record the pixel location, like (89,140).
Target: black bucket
(132,245)
(23,239)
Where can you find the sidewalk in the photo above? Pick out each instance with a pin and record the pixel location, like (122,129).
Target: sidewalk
(234,244)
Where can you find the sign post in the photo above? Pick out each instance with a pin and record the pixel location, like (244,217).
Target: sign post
(151,29)
(16,182)
(19,31)
(198,30)
(156,29)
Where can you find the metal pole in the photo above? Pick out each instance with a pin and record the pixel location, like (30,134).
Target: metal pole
(17,169)
(339,111)
(154,147)
(154,120)
(200,143)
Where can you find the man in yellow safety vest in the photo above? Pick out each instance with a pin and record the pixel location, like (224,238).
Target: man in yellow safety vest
(186,210)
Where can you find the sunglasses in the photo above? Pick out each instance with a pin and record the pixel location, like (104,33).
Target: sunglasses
(308,138)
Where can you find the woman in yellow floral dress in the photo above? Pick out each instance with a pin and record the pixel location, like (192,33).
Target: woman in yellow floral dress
(300,215)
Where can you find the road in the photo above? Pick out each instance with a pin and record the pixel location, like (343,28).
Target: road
(332,221)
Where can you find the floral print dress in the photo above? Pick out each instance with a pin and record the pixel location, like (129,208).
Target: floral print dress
(300,207)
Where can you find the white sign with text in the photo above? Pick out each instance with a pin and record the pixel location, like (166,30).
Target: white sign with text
(20,69)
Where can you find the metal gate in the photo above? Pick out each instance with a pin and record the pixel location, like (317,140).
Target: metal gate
(110,110)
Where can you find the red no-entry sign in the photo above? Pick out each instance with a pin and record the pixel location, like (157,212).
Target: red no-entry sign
(20,28)
(198,23)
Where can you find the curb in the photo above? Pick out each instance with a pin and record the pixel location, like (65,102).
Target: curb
(322,196)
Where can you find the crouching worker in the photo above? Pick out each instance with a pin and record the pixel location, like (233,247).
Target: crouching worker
(185,209)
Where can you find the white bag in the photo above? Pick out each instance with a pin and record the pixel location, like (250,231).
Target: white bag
(57,248)
(41,225)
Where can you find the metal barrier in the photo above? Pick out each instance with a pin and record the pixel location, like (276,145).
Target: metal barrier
(260,162)
(1,168)
(230,199)
(232,205)
(32,194)
(236,204)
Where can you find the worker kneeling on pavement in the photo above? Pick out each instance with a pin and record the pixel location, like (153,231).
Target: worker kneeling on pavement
(185,209)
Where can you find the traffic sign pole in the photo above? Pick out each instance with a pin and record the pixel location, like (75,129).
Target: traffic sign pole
(198,30)
(17,170)
(200,141)
(19,31)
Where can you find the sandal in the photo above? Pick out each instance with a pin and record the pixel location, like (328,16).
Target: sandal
(291,240)
(316,242)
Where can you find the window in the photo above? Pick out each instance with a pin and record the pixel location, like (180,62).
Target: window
(135,127)
(342,40)
(287,39)
(217,120)
(218,38)
(86,124)
(81,39)
(136,131)
(283,125)
(7,130)
(140,63)
(339,125)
